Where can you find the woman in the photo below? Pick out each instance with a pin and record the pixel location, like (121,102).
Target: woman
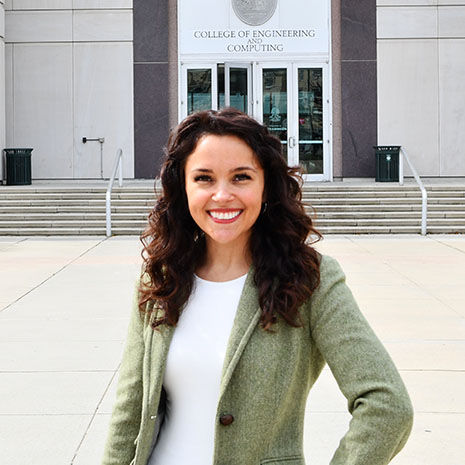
(236,315)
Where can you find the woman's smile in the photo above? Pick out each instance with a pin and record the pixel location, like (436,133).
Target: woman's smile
(224,215)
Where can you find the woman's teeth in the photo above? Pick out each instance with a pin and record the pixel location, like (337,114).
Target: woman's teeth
(225,215)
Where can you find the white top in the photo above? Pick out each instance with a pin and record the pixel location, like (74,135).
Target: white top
(193,373)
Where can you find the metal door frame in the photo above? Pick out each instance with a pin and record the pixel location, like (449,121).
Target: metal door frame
(182,109)
(327,147)
(227,83)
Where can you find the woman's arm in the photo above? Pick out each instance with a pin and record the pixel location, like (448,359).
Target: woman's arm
(126,415)
(382,413)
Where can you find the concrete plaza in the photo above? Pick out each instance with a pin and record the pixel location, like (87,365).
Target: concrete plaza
(64,308)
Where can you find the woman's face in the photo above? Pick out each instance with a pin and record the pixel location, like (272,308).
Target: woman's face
(224,187)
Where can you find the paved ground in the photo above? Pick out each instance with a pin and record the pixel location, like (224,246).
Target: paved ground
(64,307)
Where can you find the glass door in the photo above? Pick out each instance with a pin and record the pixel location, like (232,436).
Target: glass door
(272,91)
(199,88)
(309,125)
(292,102)
(238,86)
(290,98)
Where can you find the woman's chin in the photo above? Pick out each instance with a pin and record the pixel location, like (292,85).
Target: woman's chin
(228,240)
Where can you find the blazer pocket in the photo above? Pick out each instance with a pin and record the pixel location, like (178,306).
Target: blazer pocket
(287,460)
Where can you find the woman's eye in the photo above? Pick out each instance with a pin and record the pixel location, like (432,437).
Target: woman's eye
(202,178)
(241,177)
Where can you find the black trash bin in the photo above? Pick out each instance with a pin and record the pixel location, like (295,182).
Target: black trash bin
(387,163)
(18,166)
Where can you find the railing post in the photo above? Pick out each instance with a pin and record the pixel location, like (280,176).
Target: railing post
(120,183)
(424,194)
(401,169)
(118,166)
(424,211)
(108,212)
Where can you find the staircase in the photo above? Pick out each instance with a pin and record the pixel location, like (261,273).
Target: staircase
(341,208)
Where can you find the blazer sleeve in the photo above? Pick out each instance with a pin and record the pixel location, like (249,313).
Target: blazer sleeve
(127,410)
(382,414)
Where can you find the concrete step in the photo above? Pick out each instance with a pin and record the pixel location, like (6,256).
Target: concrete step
(308,194)
(61,222)
(148,186)
(391,230)
(128,215)
(145,209)
(315,202)
(385,222)
(77,196)
(47,231)
(376,194)
(86,231)
(390,215)
(387,229)
(87,202)
(390,208)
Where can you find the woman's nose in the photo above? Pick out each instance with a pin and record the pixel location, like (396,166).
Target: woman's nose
(222,194)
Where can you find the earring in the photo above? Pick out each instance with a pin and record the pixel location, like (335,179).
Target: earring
(264,206)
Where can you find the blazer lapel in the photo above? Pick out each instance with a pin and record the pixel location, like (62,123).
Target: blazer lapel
(247,316)
(156,363)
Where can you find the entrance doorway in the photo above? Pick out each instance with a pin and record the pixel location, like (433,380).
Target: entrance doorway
(289,98)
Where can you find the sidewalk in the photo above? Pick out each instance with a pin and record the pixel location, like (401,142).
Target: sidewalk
(64,308)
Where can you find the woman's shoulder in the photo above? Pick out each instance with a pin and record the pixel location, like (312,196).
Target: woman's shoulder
(332,280)
(142,283)
(329,267)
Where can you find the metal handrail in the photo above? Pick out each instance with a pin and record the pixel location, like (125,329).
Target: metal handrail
(118,164)
(424,195)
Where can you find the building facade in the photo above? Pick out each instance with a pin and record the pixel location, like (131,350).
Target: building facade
(331,78)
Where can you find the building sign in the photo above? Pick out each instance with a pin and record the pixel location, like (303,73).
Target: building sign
(245,28)
(254,12)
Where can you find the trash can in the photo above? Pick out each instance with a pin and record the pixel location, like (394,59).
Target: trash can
(387,163)
(18,166)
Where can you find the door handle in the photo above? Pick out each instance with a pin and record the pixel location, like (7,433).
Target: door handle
(292,142)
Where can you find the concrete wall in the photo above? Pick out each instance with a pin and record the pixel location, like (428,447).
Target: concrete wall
(69,75)
(421,85)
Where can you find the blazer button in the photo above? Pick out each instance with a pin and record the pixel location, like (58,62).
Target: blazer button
(226,419)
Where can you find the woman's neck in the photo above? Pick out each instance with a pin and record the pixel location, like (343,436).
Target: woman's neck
(223,263)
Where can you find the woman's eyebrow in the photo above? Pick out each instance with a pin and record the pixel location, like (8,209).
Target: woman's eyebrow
(243,168)
(232,170)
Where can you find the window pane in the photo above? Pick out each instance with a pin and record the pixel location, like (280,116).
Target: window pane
(199,85)
(311,158)
(311,120)
(275,103)
(220,69)
(238,88)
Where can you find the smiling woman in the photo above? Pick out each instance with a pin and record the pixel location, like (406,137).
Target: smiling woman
(236,315)
(219,161)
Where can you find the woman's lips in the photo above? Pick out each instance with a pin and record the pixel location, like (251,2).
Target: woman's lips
(223,215)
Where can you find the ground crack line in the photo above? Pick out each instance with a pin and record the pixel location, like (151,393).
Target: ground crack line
(53,274)
(93,416)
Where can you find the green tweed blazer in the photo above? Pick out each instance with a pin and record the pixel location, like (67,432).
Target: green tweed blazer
(265,381)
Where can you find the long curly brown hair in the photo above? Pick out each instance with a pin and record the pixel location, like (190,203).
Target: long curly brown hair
(286,267)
